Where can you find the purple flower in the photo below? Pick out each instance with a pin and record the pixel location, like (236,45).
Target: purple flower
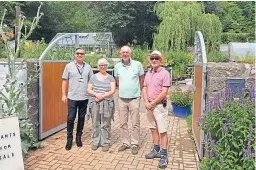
(243,91)
(226,99)
(237,90)
(245,155)
(252,92)
(202,120)
(248,152)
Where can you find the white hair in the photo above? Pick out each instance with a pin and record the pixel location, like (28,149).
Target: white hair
(127,47)
(103,61)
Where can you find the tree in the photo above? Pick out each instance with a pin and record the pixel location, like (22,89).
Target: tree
(128,21)
(231,16)
(180,21)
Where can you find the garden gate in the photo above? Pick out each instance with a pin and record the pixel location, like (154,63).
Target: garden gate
(52,112)
(200,63)
(60,51)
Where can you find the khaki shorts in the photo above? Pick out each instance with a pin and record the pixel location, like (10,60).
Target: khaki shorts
(158,118)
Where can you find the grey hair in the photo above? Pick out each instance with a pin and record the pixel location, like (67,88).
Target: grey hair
(103,60)
(127,48)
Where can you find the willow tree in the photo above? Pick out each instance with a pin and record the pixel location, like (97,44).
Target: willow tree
(180,21)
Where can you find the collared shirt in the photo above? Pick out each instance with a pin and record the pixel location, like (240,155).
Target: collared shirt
(129,78)
(77,80)
(155,80)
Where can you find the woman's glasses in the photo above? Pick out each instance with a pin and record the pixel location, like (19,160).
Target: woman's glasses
(157,58)
(103,65)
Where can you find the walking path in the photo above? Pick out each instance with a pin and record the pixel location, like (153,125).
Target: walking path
(181,151)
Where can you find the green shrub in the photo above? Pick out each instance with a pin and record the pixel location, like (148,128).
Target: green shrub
(247,59)
(178,61)
(180,98)
(234,37)
(33,49)
(217,57)
(230,128)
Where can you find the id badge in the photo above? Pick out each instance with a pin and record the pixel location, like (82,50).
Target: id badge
(81,79)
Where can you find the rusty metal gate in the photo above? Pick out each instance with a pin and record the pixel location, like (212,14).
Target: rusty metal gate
(200,63)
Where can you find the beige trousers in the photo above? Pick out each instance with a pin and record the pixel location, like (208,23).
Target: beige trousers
(130,107)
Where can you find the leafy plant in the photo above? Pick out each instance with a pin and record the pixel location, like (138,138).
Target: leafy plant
(12,98)
(247,59)
(217,57)
(227,37)
(33,49)
(178,61)
(180,98)
(229,124)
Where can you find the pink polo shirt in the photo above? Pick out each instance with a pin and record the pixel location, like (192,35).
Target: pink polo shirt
(155,80)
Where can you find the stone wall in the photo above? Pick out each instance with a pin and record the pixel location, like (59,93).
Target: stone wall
(33,95)
(219,73)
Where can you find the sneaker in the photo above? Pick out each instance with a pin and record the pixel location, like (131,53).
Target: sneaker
(135,149)
(153,154)
(123,148)
(163,162)
(94,147)
(69,144)
(105,148)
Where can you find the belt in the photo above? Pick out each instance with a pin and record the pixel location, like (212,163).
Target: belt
(128,98)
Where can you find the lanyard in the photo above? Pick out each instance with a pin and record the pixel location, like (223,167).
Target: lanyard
(80,71)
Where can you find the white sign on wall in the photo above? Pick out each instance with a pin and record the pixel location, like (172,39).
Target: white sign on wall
(10,145)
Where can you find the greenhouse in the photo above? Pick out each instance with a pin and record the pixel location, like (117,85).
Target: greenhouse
(93,43)
(241,50)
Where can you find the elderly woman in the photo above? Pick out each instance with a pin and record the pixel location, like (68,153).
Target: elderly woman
(101,105)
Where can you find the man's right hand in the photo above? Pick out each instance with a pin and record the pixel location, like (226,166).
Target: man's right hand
(148,106)
(64,99)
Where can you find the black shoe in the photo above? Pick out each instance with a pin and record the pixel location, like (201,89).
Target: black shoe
(69,144)
(79,141)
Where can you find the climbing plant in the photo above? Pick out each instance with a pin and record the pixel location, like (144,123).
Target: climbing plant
(180,21)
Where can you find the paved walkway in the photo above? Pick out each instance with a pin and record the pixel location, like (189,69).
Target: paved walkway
(53,155)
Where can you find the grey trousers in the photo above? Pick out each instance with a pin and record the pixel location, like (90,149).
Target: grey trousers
(101,127)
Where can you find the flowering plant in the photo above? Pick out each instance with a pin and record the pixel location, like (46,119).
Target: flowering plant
(229,125)
(180,98)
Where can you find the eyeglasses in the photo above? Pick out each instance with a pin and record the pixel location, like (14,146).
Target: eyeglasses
(155,59)
(79,53)
(104,65)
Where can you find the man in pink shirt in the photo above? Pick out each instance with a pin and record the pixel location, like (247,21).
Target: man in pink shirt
(156,84)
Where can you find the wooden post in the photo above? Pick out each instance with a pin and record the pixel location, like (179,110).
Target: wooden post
(17,19)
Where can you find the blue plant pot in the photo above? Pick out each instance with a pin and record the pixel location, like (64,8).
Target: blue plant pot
(180,111)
